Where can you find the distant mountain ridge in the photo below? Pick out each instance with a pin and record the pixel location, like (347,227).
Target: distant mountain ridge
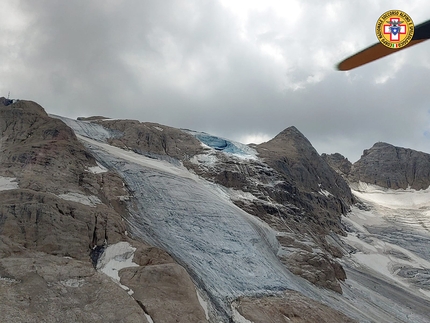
(77,198)
(387,166)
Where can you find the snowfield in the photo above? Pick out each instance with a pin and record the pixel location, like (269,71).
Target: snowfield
(389,240)
(8,183)
(89,200)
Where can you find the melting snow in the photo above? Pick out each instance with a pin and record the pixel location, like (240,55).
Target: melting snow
(203,304)
(8,183)
(97,169)
(140,159)
(408,198)
(391,235)
(209,159)
(73,282)
(89,129)
(116,257)
(89,200)
(237,317)
(325,193)
(149,318)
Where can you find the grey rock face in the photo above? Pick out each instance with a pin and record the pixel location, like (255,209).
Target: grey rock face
(392,167)
(38,287)
(288,307)
(297,162)
(5,102)
(153,139)
(52,219)
(338,162)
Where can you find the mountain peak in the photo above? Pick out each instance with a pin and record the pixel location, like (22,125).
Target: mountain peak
(291,131)
(292,154)
(291,142)
(392,167)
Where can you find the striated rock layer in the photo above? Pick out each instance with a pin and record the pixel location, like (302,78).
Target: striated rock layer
(393,167)
(385,165)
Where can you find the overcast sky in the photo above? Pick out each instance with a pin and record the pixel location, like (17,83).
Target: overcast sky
(240,69)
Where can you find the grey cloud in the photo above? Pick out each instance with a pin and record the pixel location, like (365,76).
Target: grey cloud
(196,65)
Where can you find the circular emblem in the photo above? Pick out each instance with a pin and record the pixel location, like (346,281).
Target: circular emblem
(395,29)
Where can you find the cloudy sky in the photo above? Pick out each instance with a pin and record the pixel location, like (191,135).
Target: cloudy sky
(240,69)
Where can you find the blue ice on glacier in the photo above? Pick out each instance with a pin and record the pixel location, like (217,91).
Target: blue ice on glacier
(226,146)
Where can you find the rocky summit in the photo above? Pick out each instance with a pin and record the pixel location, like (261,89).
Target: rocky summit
(107,220)
(387,166)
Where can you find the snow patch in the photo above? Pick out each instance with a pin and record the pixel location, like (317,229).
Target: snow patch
(236,316)
(73,282)
(325,193)
(88,129)
(149,318)
(379,248)
(89,200)
(425,292)
(209,159)
(241,195)
(97,169)
(8,183)
(158,128)
(8,280)
(124,198)
(140,159)
(116,257)
(394,199)
(203,304)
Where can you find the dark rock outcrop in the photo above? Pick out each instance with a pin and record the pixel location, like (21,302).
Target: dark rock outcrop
(392,167)
(5,102)
(297,162)
(338,162)
(153,139)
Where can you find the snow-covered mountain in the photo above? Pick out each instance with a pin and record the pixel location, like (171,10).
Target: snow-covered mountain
(157,224)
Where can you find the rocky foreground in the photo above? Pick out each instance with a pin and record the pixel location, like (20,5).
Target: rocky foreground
(85,240)
(62,212)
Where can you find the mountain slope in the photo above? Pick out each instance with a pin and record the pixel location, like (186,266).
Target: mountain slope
(392,167)
(246,224)
(59,211)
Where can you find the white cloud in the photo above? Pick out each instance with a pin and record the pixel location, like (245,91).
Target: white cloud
(256,138)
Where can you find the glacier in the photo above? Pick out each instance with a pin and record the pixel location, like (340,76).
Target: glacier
(230,147)
(227,252)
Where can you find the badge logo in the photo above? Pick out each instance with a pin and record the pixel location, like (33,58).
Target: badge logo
(395,29)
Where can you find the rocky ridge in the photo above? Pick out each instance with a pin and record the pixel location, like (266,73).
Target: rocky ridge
(393,167)
(387,166)
(60,211)
(52,183)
